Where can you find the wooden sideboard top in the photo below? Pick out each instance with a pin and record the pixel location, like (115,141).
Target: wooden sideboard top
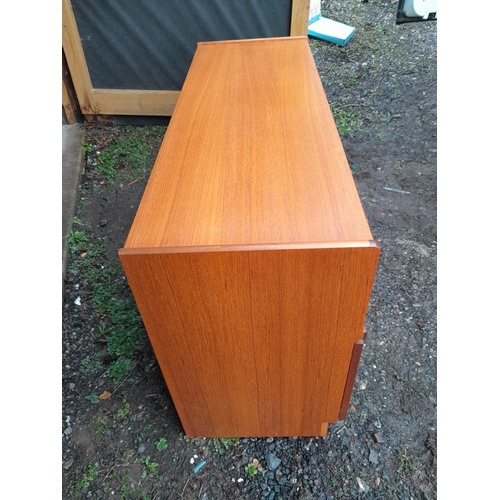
(252,156)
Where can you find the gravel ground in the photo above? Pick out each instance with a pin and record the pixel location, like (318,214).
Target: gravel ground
(121,436)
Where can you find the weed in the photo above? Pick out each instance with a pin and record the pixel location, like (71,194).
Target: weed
(78,222)
(86,147)
(90,266)
(93,398)
(126,336)
(148,427)
(161,444)
(89,476)
(347,119)
(123,331)
(395,94)
(100,426)
(127,489)
(118,369)
(379,137)
(150,468)
(103,328)
(314,44)
(333,481)
(155,131)
(426,191)
(386,118)
(124,411)
(220,443)
(77,241)
(422,120)
(91,364)
(251,470)
(129,151)
(127,454)
(351,79)
(405,462)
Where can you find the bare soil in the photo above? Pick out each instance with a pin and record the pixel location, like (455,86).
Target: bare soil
(382,90)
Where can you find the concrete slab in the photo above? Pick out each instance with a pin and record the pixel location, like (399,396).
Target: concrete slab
(72,168)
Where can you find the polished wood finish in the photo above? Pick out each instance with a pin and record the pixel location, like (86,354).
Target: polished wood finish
(95,101)
(351,377)
(253,153)
(250,256)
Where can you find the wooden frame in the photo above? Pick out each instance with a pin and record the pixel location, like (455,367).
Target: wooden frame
(70,107)
(95,101)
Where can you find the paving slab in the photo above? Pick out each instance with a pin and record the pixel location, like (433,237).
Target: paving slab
(72,167)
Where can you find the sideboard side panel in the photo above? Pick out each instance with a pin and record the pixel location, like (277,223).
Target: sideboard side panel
(251,343)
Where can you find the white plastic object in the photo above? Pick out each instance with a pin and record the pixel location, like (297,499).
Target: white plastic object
(420,8)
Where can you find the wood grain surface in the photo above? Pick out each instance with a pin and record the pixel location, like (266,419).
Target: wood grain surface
(252,155)
(254,343)
(250,257)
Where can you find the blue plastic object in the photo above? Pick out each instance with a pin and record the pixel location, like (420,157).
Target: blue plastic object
(197,467)
(329,30)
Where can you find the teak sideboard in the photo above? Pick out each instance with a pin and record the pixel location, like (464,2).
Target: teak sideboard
(250,256)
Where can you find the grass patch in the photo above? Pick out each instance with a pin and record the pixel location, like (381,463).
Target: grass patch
(110,297)
(123,152)
(347,119)
(89,476)
(92,364)
(221,444)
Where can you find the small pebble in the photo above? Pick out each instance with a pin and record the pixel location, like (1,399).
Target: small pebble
(68,464)
(373,458)
(362,486)
(273,461)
